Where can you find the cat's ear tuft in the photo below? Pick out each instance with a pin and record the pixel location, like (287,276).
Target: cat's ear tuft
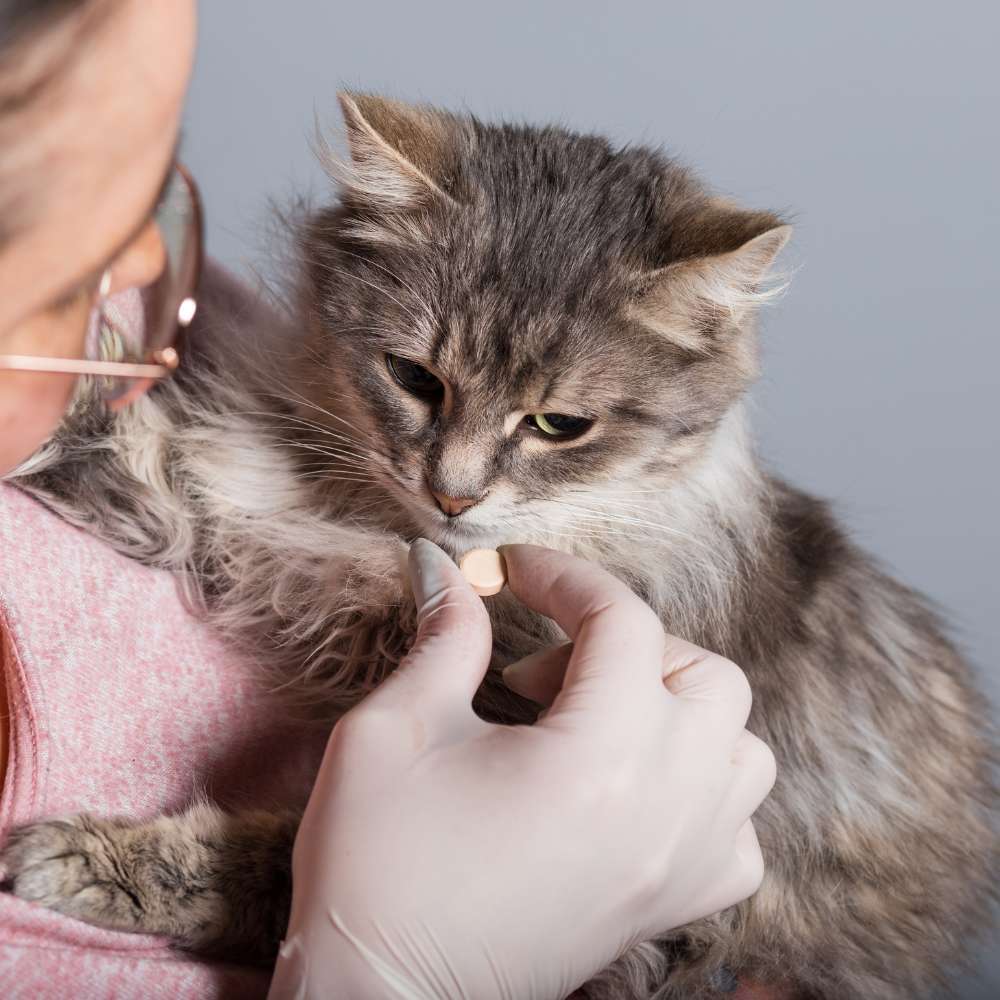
(690,299)
(401,154)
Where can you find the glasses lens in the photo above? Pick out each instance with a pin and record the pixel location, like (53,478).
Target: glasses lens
(132,325)
(178,221)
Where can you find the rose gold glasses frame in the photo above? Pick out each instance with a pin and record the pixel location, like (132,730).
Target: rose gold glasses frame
(161,363)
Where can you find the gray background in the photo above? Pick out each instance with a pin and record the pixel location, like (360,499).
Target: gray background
(874,124)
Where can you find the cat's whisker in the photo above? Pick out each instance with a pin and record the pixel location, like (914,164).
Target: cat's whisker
(359,458)
(332,472)
(544,528)
(595,504)
(618,505)
(364,508)
(322,442)
(314,425)
(332,416)
(614,502)
(626,520)
(327,458)
(297,397)
(329,463)
(371,284)
(633,523)
(609,510)
(322,456)
(391,274)
(330,391)
(323,429)
(615,489)
(296,421)
(365,440)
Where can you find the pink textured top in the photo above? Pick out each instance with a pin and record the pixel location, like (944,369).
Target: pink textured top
(121,704)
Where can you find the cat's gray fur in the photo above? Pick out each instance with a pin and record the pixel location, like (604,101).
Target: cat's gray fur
(526,264)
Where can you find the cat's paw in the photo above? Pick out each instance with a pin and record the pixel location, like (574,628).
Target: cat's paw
(76,867)
(377,603)
(378,580)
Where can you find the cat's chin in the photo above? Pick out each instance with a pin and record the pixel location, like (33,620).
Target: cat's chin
(461,537)
(457,537)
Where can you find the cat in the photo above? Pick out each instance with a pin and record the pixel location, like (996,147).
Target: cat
(509,333)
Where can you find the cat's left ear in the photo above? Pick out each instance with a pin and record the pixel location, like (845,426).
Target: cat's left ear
(689,300)
(402,155)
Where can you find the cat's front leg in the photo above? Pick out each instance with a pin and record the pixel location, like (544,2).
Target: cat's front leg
(349,619)
(216,883)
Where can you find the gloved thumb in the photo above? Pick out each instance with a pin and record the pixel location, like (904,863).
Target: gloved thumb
(454,641)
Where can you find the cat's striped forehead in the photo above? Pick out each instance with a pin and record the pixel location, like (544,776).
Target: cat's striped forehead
(493,350)
(536,270)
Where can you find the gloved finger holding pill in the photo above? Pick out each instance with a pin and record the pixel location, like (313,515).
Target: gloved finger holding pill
(485,570)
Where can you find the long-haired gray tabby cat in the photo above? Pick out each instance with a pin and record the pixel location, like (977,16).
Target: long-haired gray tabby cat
(515,333)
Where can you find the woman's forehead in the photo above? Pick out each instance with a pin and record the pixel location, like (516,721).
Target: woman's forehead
(83,159)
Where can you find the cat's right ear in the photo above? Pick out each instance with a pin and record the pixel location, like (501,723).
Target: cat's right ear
(402,155)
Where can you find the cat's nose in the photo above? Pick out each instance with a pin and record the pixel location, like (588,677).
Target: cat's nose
(453,506)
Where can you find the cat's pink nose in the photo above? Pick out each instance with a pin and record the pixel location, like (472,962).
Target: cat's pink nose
(453,506)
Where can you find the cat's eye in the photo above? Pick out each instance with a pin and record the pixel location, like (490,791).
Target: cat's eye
(413,377)
(558,425)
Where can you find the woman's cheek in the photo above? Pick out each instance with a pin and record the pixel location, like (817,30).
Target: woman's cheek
(32,405)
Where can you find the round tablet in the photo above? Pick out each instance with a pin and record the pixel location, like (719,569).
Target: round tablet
(485,571)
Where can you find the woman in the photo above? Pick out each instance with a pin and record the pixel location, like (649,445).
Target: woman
(119,702)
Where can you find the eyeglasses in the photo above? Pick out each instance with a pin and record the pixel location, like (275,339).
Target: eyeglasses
(134,338)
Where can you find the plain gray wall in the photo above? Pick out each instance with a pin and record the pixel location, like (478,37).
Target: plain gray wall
(873,124)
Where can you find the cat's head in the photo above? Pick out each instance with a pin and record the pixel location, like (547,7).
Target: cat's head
(523,324)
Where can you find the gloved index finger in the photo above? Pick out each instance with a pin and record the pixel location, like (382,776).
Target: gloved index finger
(616,636)
(451,652)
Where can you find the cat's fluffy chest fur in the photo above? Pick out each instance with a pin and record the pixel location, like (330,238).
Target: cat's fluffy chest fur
(286,518)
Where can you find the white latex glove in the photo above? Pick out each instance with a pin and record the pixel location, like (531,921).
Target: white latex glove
(444,857)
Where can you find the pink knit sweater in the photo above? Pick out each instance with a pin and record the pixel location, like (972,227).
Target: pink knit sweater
(121,704)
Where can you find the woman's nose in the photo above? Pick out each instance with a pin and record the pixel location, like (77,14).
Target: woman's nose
(141,262)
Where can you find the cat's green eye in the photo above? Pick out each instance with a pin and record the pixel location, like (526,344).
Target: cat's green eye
(558,425)
(413,377)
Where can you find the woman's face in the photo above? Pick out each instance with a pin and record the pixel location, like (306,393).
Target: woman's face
(90,153)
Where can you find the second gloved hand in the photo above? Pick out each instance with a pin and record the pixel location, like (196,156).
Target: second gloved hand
(445,857)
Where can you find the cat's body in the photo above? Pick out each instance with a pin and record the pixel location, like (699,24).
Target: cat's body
(521,272)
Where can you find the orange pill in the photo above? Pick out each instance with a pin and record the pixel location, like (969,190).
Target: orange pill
(485,570)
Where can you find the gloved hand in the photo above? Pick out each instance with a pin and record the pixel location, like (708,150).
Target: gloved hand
(444,857)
